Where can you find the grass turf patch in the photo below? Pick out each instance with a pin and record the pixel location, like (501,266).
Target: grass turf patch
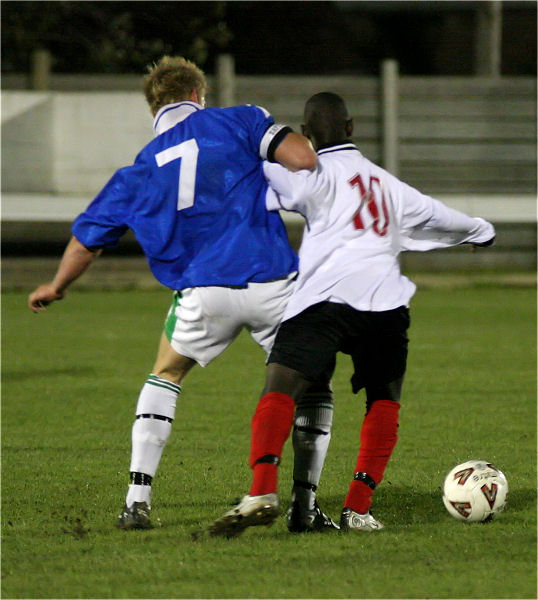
(70,381)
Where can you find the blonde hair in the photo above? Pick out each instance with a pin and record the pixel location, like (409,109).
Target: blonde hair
(172,79)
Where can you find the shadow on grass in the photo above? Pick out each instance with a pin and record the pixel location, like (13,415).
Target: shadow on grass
(407,506)
(521,499)
(15,375)
(397,506)
(396,503)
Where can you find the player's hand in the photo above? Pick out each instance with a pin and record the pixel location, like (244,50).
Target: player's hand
(486,244)
(475,245)
(482,244)
(39,299)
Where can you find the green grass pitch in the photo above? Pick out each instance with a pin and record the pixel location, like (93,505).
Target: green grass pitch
(71,377)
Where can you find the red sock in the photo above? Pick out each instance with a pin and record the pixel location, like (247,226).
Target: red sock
(271,426)
(379,434)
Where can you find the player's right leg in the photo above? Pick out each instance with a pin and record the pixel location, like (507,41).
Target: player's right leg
(305,347)
(198,328)
(313,413)
(155,413)
(271,426)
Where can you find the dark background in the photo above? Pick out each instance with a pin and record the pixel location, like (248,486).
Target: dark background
(427,38)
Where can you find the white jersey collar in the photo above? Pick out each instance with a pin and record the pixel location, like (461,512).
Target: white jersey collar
(172,114)
(337,147)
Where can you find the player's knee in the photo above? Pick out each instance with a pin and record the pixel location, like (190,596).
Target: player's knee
(171,365)
(170,372)
(384,391)
(285,380)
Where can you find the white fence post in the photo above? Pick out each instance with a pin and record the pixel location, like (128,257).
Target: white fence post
(389,101)
(225,80)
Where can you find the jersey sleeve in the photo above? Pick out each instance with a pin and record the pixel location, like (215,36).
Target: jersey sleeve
(427,223)
(301,191)
(265,134)
(104,222)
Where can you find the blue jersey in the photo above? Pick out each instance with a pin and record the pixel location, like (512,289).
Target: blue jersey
(195,200)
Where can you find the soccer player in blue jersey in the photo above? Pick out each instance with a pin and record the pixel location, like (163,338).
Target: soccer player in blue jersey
(195,200)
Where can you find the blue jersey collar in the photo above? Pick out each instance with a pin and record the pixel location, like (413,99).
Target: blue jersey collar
(172,114)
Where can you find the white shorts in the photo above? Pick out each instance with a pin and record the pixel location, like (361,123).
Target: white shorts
(203,321)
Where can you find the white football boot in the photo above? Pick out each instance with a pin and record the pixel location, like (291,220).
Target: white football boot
(352,521)
(250,511)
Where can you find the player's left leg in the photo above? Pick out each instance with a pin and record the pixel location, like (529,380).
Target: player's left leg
(311,437)
(378,437)
(380,363)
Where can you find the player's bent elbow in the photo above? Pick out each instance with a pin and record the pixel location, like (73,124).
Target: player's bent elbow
(296,153)
(302,159)
(309,161)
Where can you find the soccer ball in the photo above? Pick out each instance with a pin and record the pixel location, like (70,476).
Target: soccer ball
(475,491)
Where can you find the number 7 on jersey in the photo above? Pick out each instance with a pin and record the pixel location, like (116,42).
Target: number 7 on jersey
(188,152)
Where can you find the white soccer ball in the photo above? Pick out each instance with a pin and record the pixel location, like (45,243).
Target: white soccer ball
(475,491)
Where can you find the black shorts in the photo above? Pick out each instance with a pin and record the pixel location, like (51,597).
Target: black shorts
(376,341)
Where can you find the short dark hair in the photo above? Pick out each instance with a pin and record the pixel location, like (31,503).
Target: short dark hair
(325,115)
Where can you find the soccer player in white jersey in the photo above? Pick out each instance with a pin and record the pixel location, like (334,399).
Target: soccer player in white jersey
(195,199)
(350,297)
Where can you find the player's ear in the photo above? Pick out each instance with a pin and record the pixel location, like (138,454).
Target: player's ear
(349,127)
(305,131)
(193,97)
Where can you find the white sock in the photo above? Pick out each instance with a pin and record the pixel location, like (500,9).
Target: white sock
(149,436)
(138,493)
(311,437)
(155,412)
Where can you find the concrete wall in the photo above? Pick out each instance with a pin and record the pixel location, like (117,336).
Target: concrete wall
(69,143)
(94,135)
(27,142)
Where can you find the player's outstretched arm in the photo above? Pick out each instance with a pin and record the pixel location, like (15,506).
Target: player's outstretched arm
(295,152)
(76,259)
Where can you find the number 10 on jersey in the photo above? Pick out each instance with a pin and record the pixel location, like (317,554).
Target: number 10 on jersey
(372,199)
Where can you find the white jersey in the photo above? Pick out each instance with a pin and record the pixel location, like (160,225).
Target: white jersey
(359,218)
